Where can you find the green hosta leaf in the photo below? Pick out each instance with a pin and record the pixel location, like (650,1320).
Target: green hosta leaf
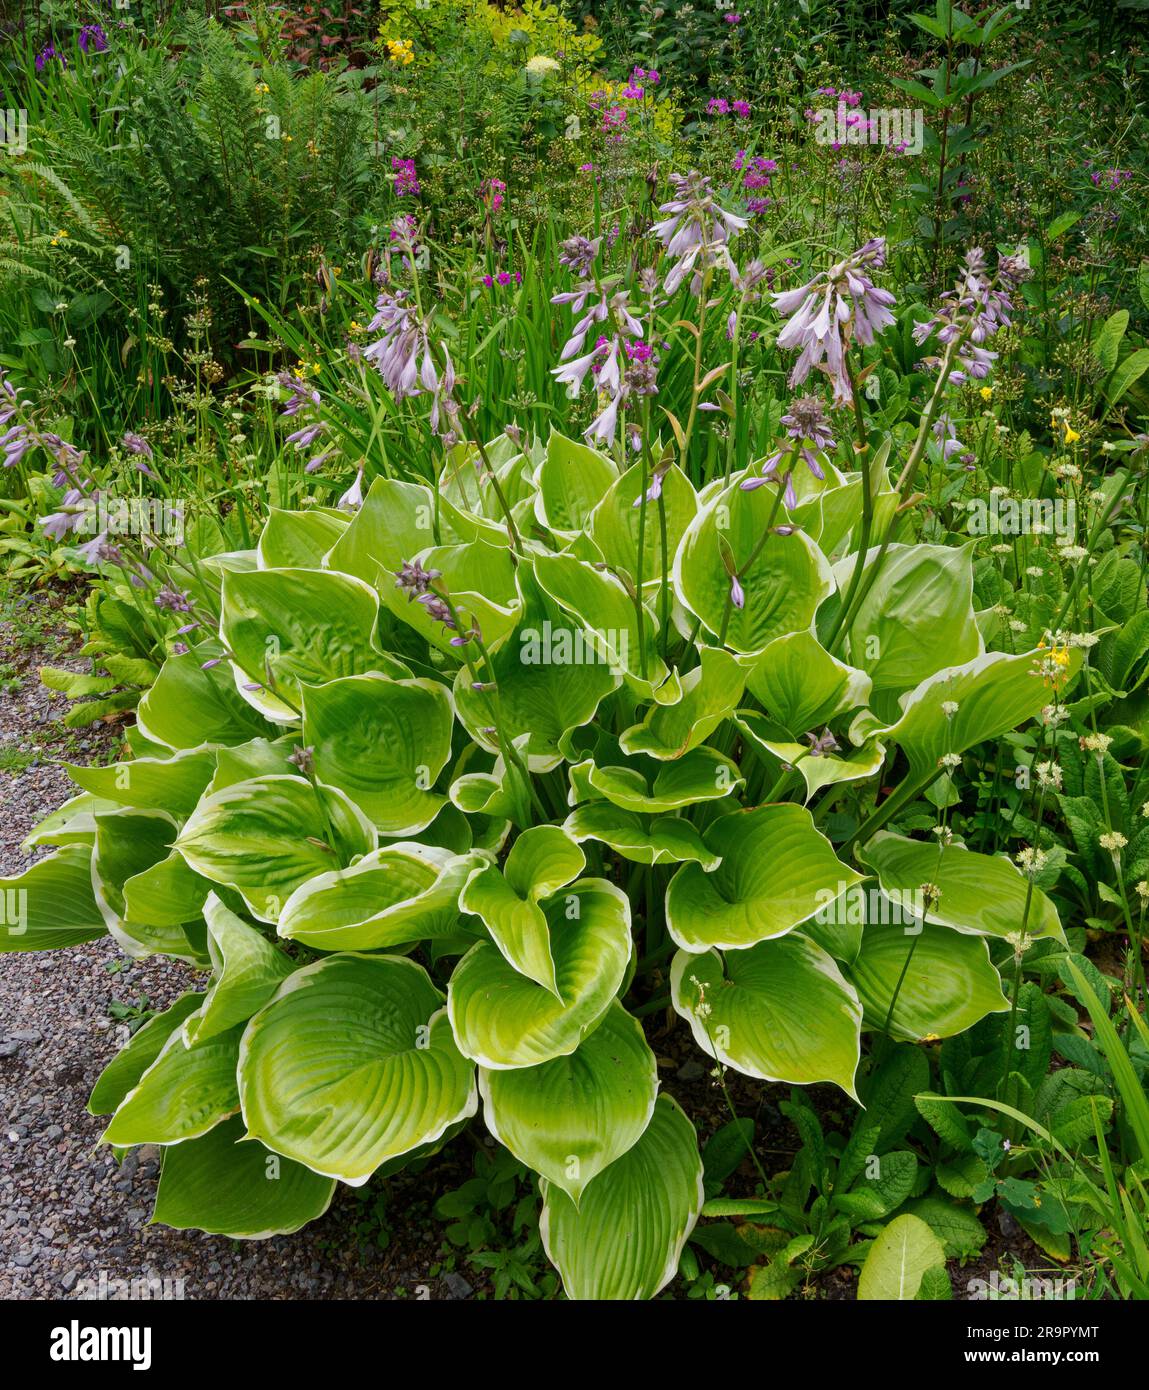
(189,706)
(503,1019)
(353,1063)
(899,1259)
(783,587)
(780,1011)
(168,784)
(993,694)
(980,893)
(816,770)
(123,1072)
(776,872)
(259,757)
(481,580)
(394,895)
(395,523)
(299,540)
(51,903)
(570,1118)
(383,742)
(703,774)
(225,1187)
(666,840)
(917,617)
(624,1239)
(949,984)
(549,679)
(268,836)
(599,601)
(801,686)
(130,845)
(295,625)
(248,971)
(184,1092)
(615,524)
(571,481)
(542,860)
(71,824)
(167,894)
(710,694)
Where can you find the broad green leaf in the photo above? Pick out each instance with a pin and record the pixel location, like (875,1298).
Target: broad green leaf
(993,693)
(666,840)
(570,1118)
(351,1064)
(396,522)
(71,824)
(980,893)
(880,1188)
(225,1187)
(51,903)
(130,845)
(780,1011)
(783,587)
(801,686)
(817,770)
(123,1072)
(899,1260)
(571,480)
(298,540)
(394,895)
(624,1239)
(268,836)
(777,871)
(502,1019)
(167,894)
(383,742)
(169,784)
(289,626)
(948,985)
(184,1092)
(482,582)
(189,705)
(614,526)
(703,774)
(248,971)
(710,694)
(542,860)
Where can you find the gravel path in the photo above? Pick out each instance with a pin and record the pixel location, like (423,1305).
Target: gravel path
(69,1215)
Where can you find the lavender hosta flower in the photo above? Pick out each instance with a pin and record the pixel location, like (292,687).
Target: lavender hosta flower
(352,499)
(76,508)
(303,758)
(821,744)
(415,579)
(402,354)
(438,610)
(696,232)
(946,435)
(302,398)
(136,444)
(972,312)
(173,600)
(16,442)
(827,310)
(579,253)
(737,593)
(807,424)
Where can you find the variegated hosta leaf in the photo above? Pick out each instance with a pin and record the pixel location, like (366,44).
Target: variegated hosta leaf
(916,618)
(783,587)
(624,1239)
(248,971)
(503,1019)
(51,903)
(191,704)
(130,845)
(710,694)
(542,860)
(703,774)
(571,481)
(817,769)
(353,1063)
(947,986)
(801,686)
(548,678)
(74,823)
(777,871)
(666,840)
(226,1187)
(167,894)
(184,1092)
(292,626)
(992,695)
(980,893)
(481,579)
(395,895)
(123,1072)
(299,540)
(614,526)
(570,1118)
(267,836)
(383,742)
(781,1011)
(168,784)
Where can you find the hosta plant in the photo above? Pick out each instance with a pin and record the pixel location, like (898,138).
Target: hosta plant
(447,806)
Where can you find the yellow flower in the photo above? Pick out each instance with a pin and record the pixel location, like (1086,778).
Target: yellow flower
(1071,435)
(400,50)
(986,393)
